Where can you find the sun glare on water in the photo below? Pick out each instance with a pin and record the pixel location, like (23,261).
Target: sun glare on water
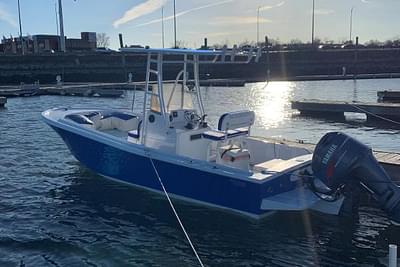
(270,101)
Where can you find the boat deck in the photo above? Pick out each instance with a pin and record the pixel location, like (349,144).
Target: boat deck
(390,161)
(116,133)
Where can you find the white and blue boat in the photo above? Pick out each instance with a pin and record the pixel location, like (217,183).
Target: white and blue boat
(222,167)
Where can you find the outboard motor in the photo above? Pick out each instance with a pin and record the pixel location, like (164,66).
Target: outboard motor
(339,158)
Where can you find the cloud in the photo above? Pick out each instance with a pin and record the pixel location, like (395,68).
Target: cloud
(237,20)
(324,11)
(267,7)
(185,12)
(139,10)
(365,1)
(7,17)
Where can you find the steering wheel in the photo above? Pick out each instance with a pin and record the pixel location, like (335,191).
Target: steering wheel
(193,119)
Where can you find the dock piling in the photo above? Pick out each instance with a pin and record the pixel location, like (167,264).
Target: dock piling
(3,101)
(121,41)
(392,255)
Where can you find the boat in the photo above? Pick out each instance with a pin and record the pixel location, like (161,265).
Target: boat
(170,147)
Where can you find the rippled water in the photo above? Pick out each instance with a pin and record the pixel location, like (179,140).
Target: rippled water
(55,212)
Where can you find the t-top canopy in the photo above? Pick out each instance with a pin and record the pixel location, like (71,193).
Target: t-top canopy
(172,51)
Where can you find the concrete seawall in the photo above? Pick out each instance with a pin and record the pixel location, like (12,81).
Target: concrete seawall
(283,65)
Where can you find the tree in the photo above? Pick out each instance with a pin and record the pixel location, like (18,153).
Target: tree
(374,43)
(328,41)
(102,40)
(396,42)
(317,41)
(180,44)
(296,41)
(219,45)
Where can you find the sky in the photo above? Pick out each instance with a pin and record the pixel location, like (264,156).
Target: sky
(221,21)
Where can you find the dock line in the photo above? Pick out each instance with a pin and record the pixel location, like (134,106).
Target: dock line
(176,214)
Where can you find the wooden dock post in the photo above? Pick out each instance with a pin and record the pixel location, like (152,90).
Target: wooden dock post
(356,60)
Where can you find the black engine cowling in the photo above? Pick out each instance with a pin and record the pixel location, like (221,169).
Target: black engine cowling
(339,158)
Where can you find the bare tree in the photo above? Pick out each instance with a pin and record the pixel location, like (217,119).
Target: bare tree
(328,41)
(296,41)
(180,44)
(246,42)
(219,45)
(317,41)
(374,44)
(102,40)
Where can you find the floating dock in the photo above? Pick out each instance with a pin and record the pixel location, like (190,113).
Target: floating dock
(97,89)
(100,90)
(3,101)
(223,82)
(362,76)
(389,96)
(85,91)
(336,109)
(19,91)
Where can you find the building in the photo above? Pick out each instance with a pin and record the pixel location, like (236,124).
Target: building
(13,45)
(44,43)
(87,42)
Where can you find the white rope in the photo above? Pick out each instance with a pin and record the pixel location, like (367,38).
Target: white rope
(375,115)
(176,214)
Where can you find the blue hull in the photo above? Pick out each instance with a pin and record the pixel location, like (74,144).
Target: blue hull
(189,183)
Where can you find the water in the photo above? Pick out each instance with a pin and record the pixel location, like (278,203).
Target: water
(55,212)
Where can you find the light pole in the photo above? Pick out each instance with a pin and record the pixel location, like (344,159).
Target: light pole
(351,24)
(20,29)
(62,36)
(258,25)
(175,23)
(55,11)
(313,22)
(162,25)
